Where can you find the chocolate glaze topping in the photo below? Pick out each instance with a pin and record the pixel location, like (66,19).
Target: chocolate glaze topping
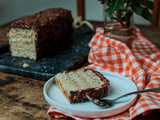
(41,18)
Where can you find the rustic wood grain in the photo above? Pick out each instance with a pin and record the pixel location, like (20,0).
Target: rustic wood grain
(23,96)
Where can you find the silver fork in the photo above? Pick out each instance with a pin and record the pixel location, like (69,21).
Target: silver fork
(106,103)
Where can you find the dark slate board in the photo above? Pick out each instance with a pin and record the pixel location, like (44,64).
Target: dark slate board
(67,59)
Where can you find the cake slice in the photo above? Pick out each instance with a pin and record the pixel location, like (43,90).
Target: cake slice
(75,85)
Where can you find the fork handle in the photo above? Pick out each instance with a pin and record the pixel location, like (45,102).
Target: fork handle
(141,91)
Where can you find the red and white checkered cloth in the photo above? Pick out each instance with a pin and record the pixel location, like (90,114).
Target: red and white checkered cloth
(141,65)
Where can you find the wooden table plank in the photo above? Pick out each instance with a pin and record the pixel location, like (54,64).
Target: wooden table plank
(22,95)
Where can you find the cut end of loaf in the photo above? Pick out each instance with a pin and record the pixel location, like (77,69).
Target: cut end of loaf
(22,42)
(41,34)
(75,85)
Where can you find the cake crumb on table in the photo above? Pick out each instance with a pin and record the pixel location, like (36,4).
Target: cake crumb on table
(25,65)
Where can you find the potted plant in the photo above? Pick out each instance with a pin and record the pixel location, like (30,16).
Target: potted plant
(118,17)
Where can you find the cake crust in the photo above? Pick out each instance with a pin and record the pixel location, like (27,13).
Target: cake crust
(79,95)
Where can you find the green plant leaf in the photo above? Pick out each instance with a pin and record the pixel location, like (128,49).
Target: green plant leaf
(108,1)
(148,3)
(115,5)
(147,15)
(129,2)
(138,9)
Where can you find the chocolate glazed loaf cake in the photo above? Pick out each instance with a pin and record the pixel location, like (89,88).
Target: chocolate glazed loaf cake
(75,85)
(41,34)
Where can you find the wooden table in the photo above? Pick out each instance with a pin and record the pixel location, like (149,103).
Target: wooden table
(22,98)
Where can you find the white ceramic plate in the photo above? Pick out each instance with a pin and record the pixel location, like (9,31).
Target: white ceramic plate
(119,86)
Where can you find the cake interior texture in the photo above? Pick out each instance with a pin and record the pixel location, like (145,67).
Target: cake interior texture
(41,34)
(75,85)
(23,42)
